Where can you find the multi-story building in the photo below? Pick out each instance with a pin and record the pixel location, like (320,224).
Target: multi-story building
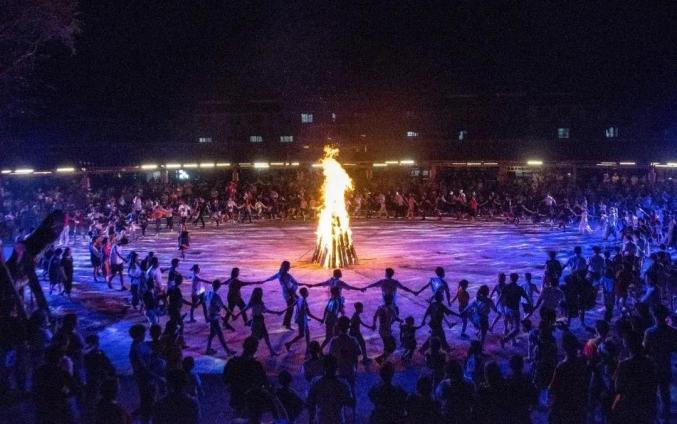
(433,126)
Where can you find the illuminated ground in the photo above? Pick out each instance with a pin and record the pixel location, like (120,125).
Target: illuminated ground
(476,251)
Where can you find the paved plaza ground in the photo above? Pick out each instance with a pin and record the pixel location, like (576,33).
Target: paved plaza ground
(476,251)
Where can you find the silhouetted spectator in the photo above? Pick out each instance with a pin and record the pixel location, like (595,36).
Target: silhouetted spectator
(289,398)
(177,406)
(660,342)
(456,393)
(242,374)
(108,411)
(389,400)
(421,406)
(521,391)
(568,389)
(492,397)
(328,395)
(53,390)
(636,384)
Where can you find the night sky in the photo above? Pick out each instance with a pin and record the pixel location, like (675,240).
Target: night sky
(147,61)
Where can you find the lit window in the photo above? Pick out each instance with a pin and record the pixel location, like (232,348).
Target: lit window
(412,134)
(255,139)
(286,138)
(306,118)
(462,135)
(204,140)
(611,132)
(562,132)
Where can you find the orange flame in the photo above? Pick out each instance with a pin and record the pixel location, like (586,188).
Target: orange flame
(334,238)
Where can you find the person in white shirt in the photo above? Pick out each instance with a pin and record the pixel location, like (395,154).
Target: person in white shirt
(117,262)
(184,212)
(134,271)
(197,292)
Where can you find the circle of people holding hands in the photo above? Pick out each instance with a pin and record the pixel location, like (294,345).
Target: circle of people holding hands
(591,382)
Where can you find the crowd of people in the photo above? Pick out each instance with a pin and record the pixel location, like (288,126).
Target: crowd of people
(608,201)
(620,373)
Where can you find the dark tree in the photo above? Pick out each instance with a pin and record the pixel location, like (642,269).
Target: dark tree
(30,30)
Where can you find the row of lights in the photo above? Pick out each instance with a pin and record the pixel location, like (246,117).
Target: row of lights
(266,165)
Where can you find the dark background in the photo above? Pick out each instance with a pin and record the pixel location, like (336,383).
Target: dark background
(145,65)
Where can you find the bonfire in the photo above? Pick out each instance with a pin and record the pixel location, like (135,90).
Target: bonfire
(334,247)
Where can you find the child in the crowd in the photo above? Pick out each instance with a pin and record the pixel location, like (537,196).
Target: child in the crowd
(408,338)
(355,331)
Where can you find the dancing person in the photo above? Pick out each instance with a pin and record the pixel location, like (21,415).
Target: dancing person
(479,311)
(175,302)
(214,306)
(301,319)
(498,289)
(511,296)
(408,330)
(355,330)
(530,288)
(330,317)
(197,292)
(117,263)
(258,323)
(234,296)
(202,210)
(553,268)
(463,298)
(289,286)
(386,315)
(95,257)
(335,281)
(436,311)
(389,286)
(134,272)
(577,262)
(184,241)
(172,272)
(152,289)
(437,283)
